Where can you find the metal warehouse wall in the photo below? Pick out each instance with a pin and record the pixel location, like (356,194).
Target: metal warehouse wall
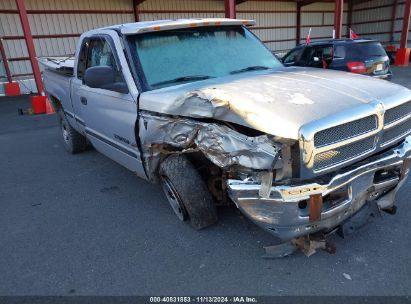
(276,22)
(173,9)
(320,18)
(399,16)
(374,20)
(56,26)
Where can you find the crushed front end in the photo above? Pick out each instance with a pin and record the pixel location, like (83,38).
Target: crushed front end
(293,188)
(360,157)
(299,209)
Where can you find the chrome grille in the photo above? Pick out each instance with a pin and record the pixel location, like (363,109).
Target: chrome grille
(396,132)
(397,113)
(351,141)
(345,131)
(336,156)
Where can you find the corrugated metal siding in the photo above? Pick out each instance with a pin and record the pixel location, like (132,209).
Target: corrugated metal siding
(373,20)
(8,4)
(320,18)
(119,5)
(174,9)
(50,18)
(398,25)
(275,22)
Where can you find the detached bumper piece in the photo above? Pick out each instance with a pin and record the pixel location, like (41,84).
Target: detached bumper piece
(304,209)
(308,244)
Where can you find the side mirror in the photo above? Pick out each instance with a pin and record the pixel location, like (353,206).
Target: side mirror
(104,77)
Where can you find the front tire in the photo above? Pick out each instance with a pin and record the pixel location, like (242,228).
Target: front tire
(73,141)
(186,192)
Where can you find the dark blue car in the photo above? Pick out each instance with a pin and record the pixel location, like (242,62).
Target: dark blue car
(361,56)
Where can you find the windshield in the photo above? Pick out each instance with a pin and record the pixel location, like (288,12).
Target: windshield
(192,54)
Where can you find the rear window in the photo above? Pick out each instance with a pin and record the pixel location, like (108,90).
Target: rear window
(367,49)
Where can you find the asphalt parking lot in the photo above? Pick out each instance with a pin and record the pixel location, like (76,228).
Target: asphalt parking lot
(84,225)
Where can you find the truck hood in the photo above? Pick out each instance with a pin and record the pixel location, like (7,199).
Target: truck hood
(277,102)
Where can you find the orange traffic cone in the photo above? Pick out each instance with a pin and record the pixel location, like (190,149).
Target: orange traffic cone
(49,107)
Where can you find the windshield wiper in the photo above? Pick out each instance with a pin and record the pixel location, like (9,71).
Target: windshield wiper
(182,79)
(250,68)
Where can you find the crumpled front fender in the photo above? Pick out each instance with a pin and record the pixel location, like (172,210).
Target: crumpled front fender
(222,145)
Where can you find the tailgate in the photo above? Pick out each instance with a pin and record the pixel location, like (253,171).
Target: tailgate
(378,66)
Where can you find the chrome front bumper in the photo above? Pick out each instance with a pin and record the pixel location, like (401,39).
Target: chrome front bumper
(282,215)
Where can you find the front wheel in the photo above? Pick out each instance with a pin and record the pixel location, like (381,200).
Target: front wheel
(186,192)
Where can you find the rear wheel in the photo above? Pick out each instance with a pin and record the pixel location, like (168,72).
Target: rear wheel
(74,142)
(186,192)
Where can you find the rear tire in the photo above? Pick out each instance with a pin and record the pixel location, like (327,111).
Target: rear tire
(73,141)
(186,192)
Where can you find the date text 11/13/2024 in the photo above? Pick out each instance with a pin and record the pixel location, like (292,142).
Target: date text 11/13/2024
(203,299)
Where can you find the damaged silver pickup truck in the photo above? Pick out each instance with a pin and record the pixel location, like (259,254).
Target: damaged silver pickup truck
(204,108)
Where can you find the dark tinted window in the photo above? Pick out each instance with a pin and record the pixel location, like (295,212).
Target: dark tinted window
(339,52)
(367,49)
(322,52)
(294,56)
(321,56)
(372,49)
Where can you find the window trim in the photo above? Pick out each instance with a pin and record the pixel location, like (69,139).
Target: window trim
(113,49)
(84,44)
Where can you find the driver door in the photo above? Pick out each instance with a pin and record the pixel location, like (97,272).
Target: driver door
(110,116)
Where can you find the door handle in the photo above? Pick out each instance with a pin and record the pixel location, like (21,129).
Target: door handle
(83,100)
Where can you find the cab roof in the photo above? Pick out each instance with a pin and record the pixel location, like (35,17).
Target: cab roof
(163,25)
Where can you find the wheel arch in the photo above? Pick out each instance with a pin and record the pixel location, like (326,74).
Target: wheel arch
(55,102)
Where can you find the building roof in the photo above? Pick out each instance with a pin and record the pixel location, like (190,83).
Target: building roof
(162,25)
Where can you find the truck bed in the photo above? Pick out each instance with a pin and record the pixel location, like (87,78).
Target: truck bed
(63,65)
(57,83)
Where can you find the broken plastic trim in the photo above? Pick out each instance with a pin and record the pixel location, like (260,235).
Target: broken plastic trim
(223,146)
